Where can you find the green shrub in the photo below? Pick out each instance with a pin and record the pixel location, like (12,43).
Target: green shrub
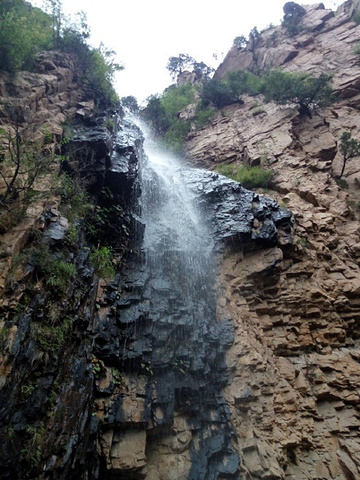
(249,177)
(75,202)
(301,89)
(161,113)
(241,82)
(56,271)
(51,339)
(293,14)
(102,261)
(24,32)
(203,116)
(349,148)
(217,93)
(60,272)
(176,98)
(356,17)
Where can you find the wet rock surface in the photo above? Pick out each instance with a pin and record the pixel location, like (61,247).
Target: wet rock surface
(163,334)
(236,215)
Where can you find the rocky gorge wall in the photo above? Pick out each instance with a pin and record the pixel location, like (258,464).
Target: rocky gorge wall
(120,378)
(88,386)
(294,366)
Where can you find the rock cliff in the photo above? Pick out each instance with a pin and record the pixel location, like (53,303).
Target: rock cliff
(294,365)
(268,386)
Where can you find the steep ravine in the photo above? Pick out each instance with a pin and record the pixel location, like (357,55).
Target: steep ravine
(121,378)
(268,386)
(294,366)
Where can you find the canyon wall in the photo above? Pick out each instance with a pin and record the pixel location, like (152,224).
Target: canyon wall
(88,386)
(294,366)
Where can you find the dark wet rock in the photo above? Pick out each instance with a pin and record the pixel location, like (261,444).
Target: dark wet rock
(235,213)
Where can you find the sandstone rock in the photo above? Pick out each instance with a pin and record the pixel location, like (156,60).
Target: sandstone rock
(127,452)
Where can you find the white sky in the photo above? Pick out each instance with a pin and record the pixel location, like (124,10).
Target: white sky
(145,33)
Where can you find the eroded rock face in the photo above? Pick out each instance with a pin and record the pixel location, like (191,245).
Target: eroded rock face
(294,366)
(159,329)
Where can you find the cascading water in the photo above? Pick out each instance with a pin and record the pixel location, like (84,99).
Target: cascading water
(166,324)
(187,359)
(161,330)
(177,244)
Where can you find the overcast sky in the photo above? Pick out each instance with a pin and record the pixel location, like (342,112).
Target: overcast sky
(145,33)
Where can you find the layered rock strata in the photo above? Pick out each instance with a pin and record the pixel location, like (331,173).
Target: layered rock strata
(294,366)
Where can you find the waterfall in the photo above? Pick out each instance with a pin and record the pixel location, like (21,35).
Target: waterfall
(178,246)
(188,347)
(163,326)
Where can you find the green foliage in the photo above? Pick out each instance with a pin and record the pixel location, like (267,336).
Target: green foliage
(203,116)
(221,93)
(241,82)
(60,272)
(24,31)
(240,42)
(96,67)
(130,103)
(342,183)
(356,16)
(100,75)
(249,177)
(175,98)
(176,65)
(98,367)
(217,93)
(357,49)
(161,113)
(106,224)
(23,164)
(30,455)
(55,271)
(50,339)
(102,261)
(254,37)
(155,115)
(75,203)
(349,148)
(293,14)
(301,89)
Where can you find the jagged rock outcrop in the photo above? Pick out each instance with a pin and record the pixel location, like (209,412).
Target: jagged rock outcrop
(294,366)
(160,341)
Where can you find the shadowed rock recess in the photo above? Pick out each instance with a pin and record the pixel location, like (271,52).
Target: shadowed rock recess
(226,346)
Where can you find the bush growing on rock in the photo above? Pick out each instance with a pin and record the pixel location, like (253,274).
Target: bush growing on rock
(217,93)
(349,148)
(300,89)
(161,113)
(26,30)
(293,14)
(249,177)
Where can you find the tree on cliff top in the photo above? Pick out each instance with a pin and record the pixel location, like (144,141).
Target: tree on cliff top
(293,13)
(178,65)
(24,31)
(301,89)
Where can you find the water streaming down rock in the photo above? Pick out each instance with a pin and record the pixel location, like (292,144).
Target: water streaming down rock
(167,326)
(162,331)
